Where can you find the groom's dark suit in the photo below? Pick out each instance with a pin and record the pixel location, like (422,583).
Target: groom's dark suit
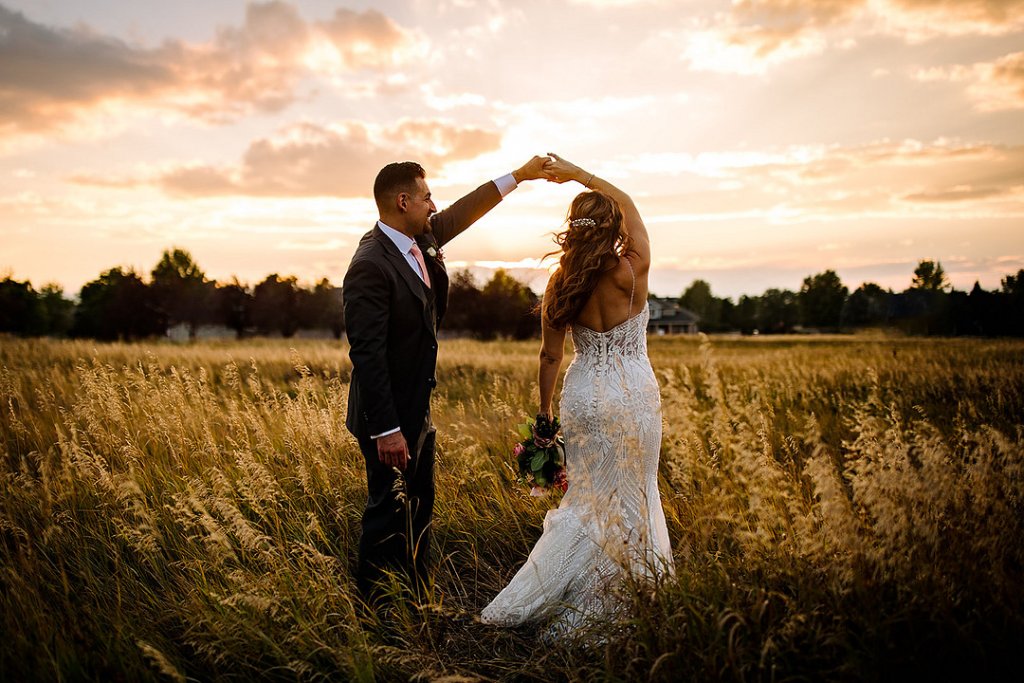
(391,319)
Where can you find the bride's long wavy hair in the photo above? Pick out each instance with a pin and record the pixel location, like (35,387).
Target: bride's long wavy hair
(584,248)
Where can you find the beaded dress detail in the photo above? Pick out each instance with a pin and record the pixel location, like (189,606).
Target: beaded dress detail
(611,520)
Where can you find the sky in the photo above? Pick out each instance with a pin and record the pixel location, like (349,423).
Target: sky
(762,140)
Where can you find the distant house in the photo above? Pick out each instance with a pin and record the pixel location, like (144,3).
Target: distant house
(668,317)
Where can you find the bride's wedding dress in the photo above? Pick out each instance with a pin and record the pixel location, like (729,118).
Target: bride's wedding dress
(610,522)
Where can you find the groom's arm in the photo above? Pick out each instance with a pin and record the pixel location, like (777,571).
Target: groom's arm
(366,324)
(453,221)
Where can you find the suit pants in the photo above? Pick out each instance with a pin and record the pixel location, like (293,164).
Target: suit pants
(396,522)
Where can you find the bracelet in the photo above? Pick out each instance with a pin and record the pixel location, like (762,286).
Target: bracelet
(587,184)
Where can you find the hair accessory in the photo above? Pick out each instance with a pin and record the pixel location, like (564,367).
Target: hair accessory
(582,223)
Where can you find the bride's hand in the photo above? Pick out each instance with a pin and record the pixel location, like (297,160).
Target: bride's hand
(560,171)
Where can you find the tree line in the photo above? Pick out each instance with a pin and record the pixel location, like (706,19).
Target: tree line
(122,304)
(930,306)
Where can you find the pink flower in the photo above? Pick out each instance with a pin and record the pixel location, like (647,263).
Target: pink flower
(518,450)
(538,492)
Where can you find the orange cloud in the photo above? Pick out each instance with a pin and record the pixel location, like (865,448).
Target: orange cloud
(893,179)
(987,11)
(770,26)
(993,86)
(52,77)
(307,160)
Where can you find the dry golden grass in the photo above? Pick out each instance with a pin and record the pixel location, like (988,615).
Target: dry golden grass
(840,508)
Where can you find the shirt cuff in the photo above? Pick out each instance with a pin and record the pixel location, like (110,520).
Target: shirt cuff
(506,184)
(390,431)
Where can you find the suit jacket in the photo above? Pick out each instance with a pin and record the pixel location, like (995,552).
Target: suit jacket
(391,319)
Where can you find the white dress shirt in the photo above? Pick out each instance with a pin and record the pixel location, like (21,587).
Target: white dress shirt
(505,184)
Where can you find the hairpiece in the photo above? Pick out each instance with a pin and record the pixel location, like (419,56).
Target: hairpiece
(582,223)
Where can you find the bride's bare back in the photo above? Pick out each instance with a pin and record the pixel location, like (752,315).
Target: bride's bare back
(609,304)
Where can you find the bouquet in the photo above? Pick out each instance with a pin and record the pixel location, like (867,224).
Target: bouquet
(540,456)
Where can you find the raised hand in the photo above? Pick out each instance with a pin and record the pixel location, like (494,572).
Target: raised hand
(534,169)
(560,171)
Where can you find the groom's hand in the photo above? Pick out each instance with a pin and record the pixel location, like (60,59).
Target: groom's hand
(532,170)
(393,451)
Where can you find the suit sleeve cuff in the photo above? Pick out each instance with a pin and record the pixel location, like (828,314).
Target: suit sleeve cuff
(506,184)
(390,431)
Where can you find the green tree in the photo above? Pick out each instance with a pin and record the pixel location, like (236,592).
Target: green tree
(1014,284)
(117,305)
(699,299)
(181,290)
(1012,295)
(464,303)
(58,312)
(331,307)
(507,308)
(745,314)
(930,277)
(869,304)
(275,305)
(821,300)
(777,311)
(321,308)
(233,306)
(20,310)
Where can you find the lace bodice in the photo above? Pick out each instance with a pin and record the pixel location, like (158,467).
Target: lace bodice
(628,338)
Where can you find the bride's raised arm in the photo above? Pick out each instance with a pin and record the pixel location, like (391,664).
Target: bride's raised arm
(561,171)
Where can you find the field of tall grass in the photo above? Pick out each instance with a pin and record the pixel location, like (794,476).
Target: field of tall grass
(844,508)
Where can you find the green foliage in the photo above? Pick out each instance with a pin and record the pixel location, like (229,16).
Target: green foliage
(275,306)
(503,308)
(930,277)
(20,312)
(699,299)
(117,305)
(181,291)
(868,306)
(777,311)
(821,300)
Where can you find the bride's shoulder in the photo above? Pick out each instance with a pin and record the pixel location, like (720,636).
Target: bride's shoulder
(628,266)
(633,263)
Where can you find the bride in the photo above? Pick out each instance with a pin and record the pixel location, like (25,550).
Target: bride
(610,524)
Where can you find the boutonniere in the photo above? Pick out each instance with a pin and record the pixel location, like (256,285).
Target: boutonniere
(435,253)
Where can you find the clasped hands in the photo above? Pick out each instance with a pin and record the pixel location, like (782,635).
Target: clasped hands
(552,168)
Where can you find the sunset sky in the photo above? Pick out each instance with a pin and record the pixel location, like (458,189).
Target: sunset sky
(763,140)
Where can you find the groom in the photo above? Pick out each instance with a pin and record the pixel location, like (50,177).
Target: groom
(396,292)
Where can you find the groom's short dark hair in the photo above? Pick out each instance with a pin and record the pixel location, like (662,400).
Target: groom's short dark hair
(399,176)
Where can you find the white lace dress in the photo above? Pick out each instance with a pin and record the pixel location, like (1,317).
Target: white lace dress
(610,521)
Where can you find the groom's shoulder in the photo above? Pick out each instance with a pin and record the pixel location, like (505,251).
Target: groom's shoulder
(369,247)
(368,259)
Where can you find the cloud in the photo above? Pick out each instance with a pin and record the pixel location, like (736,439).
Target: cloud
(756,35)
(896,177)
(746,51)
(942,179)
(993,86)
(958,193)
(921,19)
(307,160)
(50,78)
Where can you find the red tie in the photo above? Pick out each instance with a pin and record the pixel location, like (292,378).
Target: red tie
(418,255)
